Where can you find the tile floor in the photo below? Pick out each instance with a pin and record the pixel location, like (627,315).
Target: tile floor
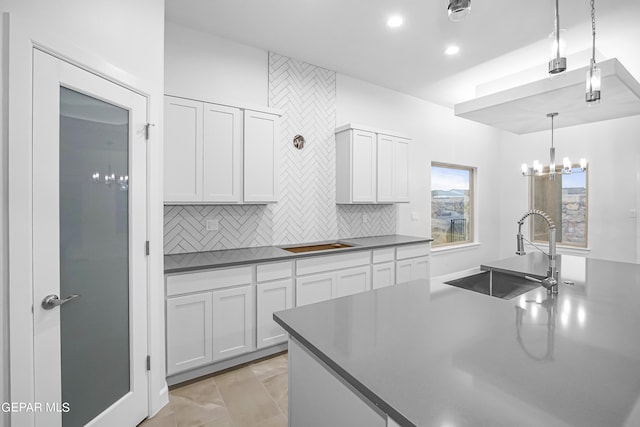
(254,395)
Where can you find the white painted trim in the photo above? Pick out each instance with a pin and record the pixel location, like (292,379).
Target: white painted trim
(454,248)
(23,37)
(4,227)
(370,129)
(234,104)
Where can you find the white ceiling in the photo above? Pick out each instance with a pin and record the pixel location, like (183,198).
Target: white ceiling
(499,39)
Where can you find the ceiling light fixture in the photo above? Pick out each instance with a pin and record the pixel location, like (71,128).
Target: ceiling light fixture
(557,63)
(458,9)
(452,50)
(394,21)
(567,166)
(594,75)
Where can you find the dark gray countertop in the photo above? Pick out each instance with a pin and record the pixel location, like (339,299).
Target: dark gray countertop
(180,263)
(459,358)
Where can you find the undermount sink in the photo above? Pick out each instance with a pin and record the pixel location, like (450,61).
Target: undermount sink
(318,247)
(495,283)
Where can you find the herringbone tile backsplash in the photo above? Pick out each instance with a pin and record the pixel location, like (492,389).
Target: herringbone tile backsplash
(306,210)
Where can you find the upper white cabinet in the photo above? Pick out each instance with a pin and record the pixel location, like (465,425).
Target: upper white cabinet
(260,157)
(372,166)
(183,131)
(219,154)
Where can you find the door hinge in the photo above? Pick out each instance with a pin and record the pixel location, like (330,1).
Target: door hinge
(148,363)
(147,130)
(146,248)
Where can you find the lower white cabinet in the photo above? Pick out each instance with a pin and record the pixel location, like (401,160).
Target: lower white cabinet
(383,275)
(315,288)
(271,297)
(412,269)
(189,323)
(232,322)
(353,281)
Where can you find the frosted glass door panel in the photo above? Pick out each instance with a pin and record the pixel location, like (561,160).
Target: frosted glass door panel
(94,254)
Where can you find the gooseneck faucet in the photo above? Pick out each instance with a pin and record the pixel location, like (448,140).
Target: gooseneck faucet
(551,281)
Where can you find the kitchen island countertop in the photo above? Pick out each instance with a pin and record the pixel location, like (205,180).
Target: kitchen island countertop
(459,358)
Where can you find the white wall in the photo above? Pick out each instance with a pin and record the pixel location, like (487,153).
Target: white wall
(202,66)
(120,39)
(612,149)
(437,135)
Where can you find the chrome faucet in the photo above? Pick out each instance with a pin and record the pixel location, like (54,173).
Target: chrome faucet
(551,281)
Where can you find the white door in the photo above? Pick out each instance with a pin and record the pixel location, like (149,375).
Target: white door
(232,328)
(364,166)
(272,297)
(261,154)
(89,232)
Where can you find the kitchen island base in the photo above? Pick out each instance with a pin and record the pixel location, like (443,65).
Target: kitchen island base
(319,397)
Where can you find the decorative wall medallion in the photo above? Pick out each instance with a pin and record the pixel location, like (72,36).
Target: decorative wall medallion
(298,142)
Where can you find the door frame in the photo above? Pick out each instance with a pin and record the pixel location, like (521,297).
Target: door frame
(23,38)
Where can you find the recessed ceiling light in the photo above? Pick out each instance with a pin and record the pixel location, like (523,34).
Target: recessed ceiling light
(394,21)
(452,50)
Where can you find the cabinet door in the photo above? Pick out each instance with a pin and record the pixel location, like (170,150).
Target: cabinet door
(363,167)
(421,270)
(261,134)
(222,154)
(401,170)
(384,275)
(272,297)
(232,322)
(188,332)
(404,270)
(182,150)
(353,281)
(386,165)
(315,288)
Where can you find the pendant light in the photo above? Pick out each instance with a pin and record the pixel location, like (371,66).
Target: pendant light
(538,169)
(557,63)
(594,74)
(458,9)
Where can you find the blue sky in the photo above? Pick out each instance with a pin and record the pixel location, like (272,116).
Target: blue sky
(449,179)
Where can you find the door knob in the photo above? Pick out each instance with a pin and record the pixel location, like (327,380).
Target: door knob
(51,301)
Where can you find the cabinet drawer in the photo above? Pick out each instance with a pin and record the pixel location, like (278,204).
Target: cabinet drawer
(412,251)
(208,280)
(383,255)
(274,271)
(332,262)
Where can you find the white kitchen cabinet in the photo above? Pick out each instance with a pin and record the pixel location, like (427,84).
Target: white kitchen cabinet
(232,331)
(355,166)
(401,170)
(383,275)
(386,180)
(353,281)
(315,288)
(371,166)
(271,297)
(219,154)
(412,269)
(222,154)
(182,150)
(189,323)
(412,262)
(261,154)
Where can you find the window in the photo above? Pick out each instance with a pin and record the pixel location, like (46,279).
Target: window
(565,200)
(452,201)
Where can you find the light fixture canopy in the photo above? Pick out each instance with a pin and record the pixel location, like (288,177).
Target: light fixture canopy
(538,169)
(458,9)
(452,50)
(558,62)
(594,74)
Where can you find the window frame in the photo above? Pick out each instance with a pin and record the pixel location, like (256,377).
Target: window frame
(472,204)
(559,242)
